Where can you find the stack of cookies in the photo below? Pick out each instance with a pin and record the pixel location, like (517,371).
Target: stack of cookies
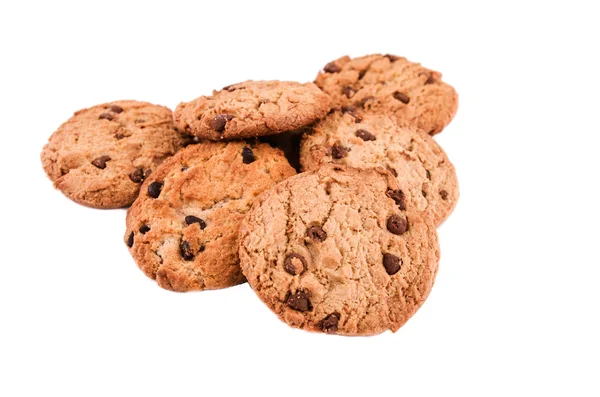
(347,246)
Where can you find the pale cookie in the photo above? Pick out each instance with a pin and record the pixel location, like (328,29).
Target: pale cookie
(251,109)
(415,96)
(370,140)
(101,155)
(339,250)
(183,228)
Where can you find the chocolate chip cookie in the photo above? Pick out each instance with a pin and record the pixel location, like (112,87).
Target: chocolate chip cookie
(251,109)
(340,250)
(365,140)
(183,228)
(101,155)
(414,95)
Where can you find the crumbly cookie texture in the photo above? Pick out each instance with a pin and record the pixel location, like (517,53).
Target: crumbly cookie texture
(368,140)
(182,230)
(414,95)
(251,109)
(340,250)
(101,155)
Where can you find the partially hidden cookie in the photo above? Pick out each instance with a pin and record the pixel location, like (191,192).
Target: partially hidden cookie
(370,140)
(182,230)
(339,250)
(414,95)
(251,109)
(101,155)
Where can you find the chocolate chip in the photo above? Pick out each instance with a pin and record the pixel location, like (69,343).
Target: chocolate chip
(219,122)
(352,112)
(430,79)
(362,73)
(229,88)
(330,323)
(100,162)
(444,194)
(294,264)
(247,155)
(190,219)
(116,109)
(338,151)
(348,91)
(424,193)
(331,67)
(398,197)
(120,135)
(106,116)
(365,135)
(392,58)
(396,224)
(185,250)
(391,263)
(363,102)
(144,229)
(183,169)
(432,132)
(137,175)
(154,189)
(317,233)
(401,97)
(428,174)
(130,240)
(299,301)
(392,170)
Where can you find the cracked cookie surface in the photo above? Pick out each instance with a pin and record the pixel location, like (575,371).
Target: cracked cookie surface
(101,155)
(251,109)
(182,230)
(339,250)
(366,140)
(414,95)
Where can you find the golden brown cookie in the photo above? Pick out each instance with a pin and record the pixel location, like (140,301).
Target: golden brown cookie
(369,140)
(183,228)
(414,95)
(251,109)
(101,155)
(340,250)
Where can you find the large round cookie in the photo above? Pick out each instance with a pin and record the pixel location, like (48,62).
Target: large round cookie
(183,228)
(371,140)
(101,155)
(339,250)
(251,109)
(390,84)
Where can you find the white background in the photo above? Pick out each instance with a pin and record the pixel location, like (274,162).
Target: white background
(515,307)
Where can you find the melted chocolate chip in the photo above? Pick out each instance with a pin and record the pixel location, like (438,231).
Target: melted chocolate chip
(116,109)
(144,229)
(185,250)
(444,194)
(391,263)
(317,233)
(106,116)
(430,79)
(247,155)
(338,151)
(299,301)
(396,224)
(401,97)
(294,264)
(154,189)
(348,91)
(190,219)
(100,162)
(398,197)
(330,323)
(392,58)
(365,135)
(219,122)
(137,175)
(331,67)
(129,241)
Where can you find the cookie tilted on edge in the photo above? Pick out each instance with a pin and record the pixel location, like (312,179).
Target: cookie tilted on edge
(101,155)
(183,228)
(339,250)
(391,85)
(366,140)
(251,109)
